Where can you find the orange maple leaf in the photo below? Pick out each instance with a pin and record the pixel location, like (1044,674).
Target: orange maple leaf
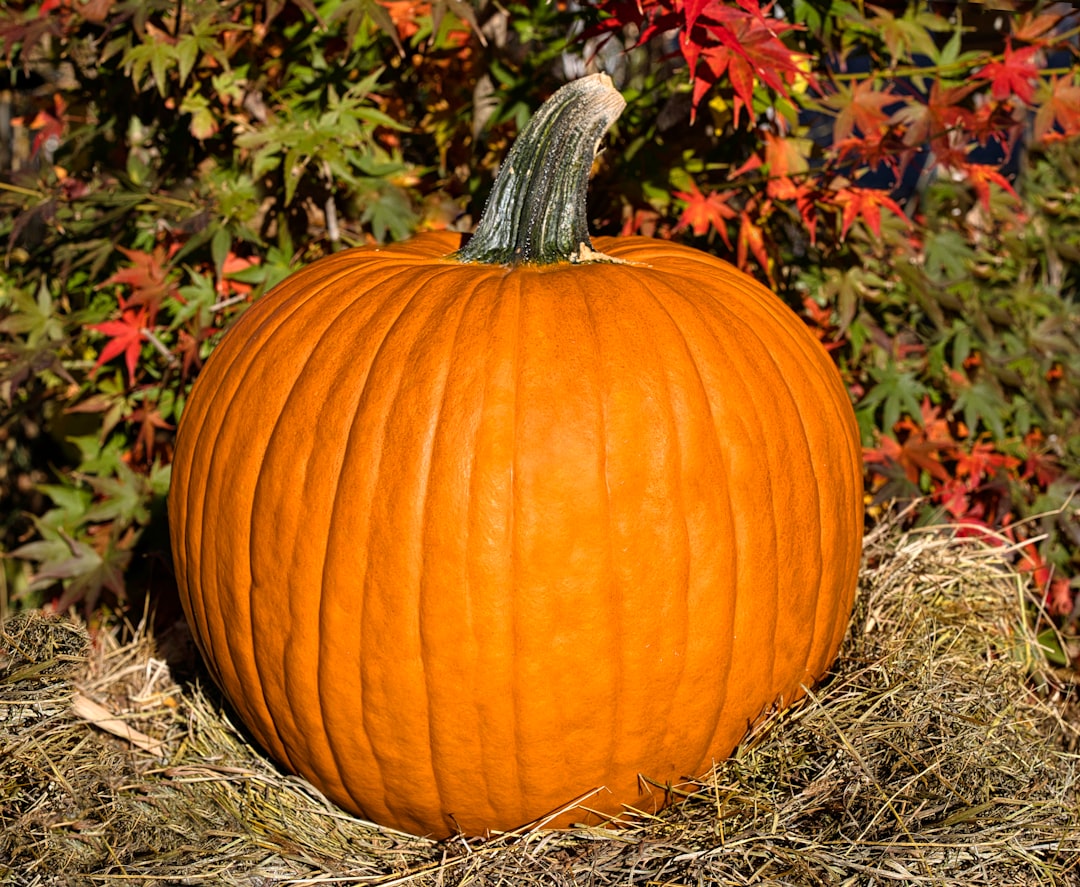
(860,107)
(705,211)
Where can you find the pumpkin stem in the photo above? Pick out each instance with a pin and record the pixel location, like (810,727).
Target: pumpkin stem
(536,211)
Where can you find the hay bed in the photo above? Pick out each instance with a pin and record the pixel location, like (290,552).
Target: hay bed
(941,751)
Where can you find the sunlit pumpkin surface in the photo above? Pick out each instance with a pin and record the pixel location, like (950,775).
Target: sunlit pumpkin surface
(463,543)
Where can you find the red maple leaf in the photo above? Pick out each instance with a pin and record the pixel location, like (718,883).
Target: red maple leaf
(752,242)
(126,336)
(981,176)
(1014,75)
(953,496)
(885,147)
(865,204)
(147,276)
(639,221)
(999,122)
(150,422)
(705,211)
(188,346)
(1040,464)
(47,125)
(984,460)
(917,447)
(692,10)
(743,42)
(1058,592)
(234,264)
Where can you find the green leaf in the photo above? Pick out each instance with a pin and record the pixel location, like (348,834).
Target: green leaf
(71,504)
(897,392)
(30,316)
(983,402)
(123,497)
(187,53)
(947,255)
(96,458)
(1049,642)
(220,245)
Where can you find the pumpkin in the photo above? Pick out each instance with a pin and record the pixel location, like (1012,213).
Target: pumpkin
(471,535)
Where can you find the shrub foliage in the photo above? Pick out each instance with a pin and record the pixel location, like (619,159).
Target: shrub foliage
(906,175)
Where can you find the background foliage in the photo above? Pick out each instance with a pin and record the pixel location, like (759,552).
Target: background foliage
(906,175)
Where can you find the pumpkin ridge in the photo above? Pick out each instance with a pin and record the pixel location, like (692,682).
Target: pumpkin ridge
(427,457)
(268,321)
(676,455)
(833,396)
(665,283)
(793,353)
(505,303)
(515,499)
(378,357)
(325,624)
(292,728)
(616,632)
(812,358)
(769,354)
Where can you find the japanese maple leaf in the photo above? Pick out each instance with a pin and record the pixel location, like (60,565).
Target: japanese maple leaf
(742,42)
(147,276)
(786,157)
(234,264)
(1035,25)
(150,421)
(998,122)
(883,148)
(640,221)
(983,461)
(953,496)
(1032,561)
(921,452)
(1014,75)
(752,242)
(931,121)
(806,203)
(188,347)
(48,126)
(705,211)
(126,336)
(860,107)
(692,10)
(981,176)
(1061,108)
(865,204)
(1060,597)
(1041,465)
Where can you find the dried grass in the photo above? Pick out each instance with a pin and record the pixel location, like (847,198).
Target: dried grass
(941,751)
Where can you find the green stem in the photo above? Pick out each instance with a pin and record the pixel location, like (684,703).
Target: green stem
(536,211)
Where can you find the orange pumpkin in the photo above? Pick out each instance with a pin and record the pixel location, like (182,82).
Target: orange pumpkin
(465,541)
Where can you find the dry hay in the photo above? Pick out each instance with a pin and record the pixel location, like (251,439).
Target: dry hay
(939,752)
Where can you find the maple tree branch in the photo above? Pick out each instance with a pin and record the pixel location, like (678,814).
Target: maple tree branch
(226,303)
(159,346)
(15,189)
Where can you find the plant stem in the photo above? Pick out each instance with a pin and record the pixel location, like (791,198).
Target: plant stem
(536,211)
